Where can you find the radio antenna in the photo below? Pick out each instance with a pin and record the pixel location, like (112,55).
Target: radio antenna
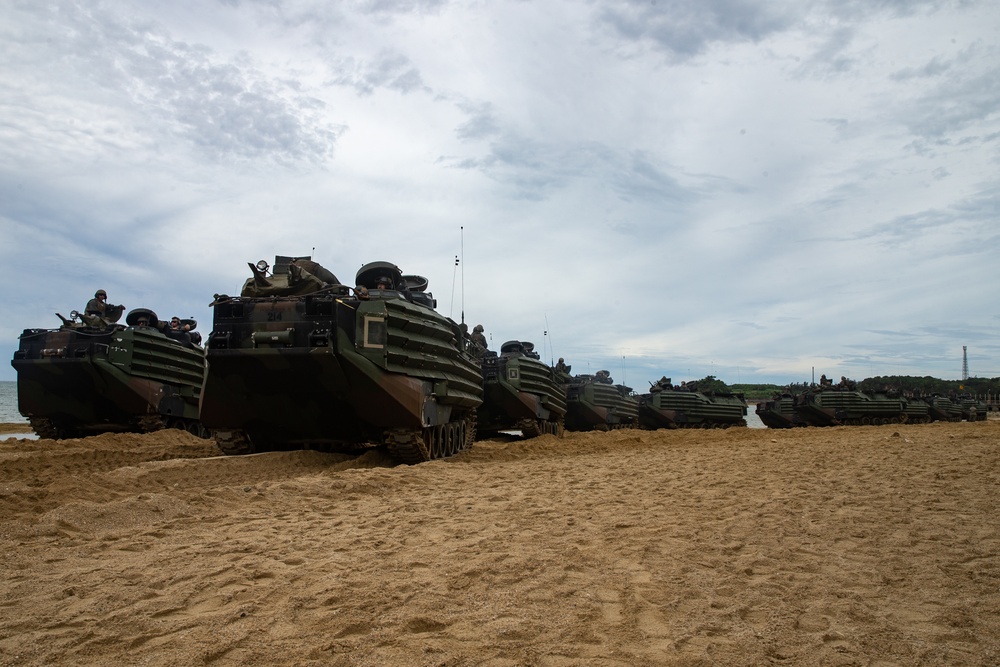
(552,359)
(451,310)
(462,248)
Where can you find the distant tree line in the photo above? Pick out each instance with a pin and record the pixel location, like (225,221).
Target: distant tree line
(758,390)
(931,385)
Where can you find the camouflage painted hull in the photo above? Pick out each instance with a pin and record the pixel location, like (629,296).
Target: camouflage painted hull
(338,373)
(77,382)
(779,413)
(598,406)
(520,393)
(836,407)
(687,409)
(942,408)
(917,411)
(973,410)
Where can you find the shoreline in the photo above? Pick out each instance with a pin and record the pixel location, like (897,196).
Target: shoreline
(15,427)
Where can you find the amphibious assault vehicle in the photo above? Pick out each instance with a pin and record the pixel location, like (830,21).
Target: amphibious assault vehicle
(93,375)
(667,406)
(942,408)
(831,406)
(520,393)
(917,410)
(973,409)
(779,412)
(595,403)
(835,405)
(299,360)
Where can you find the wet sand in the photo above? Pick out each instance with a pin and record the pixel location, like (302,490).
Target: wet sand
(840,546)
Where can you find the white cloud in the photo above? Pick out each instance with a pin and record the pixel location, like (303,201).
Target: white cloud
(730,186)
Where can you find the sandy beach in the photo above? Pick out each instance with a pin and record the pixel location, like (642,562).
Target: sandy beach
(839,546)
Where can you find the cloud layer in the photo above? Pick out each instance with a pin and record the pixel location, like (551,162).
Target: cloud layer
(679,188)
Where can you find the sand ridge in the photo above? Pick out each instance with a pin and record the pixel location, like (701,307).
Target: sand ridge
(837,546)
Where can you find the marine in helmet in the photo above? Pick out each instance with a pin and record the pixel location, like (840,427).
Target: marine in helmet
(177,325)
(478,337)
(99,307)
(561,366)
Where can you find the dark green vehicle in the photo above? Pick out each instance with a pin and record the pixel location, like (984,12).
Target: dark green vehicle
(595,403)
(943,409)
(520,392)
(832,406)
(916,409)
(669,406)
(299,360)
(93,375)
(973,409)
(779,412)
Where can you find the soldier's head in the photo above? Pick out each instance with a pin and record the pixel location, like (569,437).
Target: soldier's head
(175,323)
(100,294)
(477,329)
(383,282)
(561,360)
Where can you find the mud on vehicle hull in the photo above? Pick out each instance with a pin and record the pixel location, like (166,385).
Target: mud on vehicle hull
(687,409)
(334,372)
(76,382)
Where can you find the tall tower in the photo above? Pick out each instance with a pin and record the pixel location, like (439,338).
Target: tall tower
(965,363)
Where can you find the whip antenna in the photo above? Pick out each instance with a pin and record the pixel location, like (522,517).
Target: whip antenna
(552,356)
(454,271)
(462,250)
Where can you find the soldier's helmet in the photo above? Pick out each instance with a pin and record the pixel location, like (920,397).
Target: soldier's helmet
(477,328)
(100,292)
(561,359)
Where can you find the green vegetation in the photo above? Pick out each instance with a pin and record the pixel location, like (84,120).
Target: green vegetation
(757,390)
(930,385)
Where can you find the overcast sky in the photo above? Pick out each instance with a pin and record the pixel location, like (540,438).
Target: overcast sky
(681,187)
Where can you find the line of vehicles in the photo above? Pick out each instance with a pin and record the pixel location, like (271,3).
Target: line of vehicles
(824,405)
(301,360)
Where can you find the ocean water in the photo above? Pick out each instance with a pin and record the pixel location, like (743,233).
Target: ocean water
(753,419)
(8,404)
